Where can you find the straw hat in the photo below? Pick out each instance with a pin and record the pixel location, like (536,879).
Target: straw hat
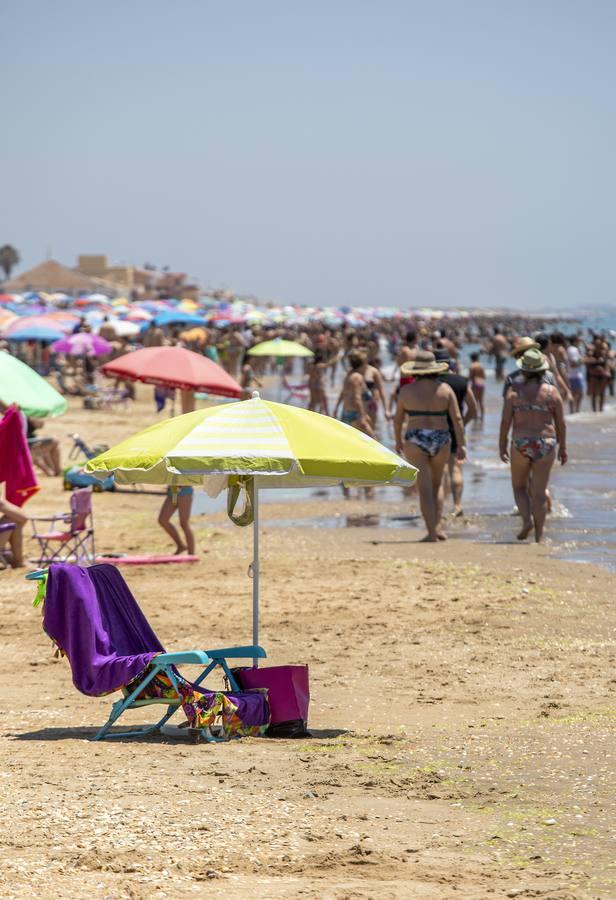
(533,361)
(523,344)
(423,364)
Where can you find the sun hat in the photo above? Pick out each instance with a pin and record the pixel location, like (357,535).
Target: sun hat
(523,344)
(533,361)
(423,364)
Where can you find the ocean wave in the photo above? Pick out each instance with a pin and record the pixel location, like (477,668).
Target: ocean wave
(489,464)
(588,416)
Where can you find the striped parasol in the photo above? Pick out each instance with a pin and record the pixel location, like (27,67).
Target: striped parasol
(256,443)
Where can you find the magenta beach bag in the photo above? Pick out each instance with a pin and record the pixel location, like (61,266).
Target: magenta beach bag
(288,696)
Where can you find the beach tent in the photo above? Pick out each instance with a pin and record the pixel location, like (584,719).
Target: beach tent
(252,445)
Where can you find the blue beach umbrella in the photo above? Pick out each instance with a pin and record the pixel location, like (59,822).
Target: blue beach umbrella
(175,317)
(36,333)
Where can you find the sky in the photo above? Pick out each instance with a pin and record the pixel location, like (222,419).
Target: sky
(334,152)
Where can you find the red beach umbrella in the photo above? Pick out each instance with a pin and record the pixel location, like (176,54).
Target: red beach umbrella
(174,367)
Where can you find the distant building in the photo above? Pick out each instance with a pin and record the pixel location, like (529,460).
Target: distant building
(93,274)
(97,266)
(52,276)
(138,282)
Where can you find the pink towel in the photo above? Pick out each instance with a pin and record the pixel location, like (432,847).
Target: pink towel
(15,460)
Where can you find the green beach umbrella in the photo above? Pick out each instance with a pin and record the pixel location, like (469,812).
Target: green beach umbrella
(22,385)
(278,347)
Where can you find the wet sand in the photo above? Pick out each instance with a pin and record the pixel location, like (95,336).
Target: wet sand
(463,715)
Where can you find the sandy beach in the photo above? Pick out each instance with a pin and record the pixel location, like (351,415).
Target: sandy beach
(462,715)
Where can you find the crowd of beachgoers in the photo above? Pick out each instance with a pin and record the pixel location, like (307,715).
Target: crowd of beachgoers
(426,373)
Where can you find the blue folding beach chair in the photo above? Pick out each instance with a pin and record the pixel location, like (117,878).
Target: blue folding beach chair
(95,621)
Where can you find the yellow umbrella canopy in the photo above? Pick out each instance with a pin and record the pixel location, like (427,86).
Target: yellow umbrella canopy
(276,443)
(256,443)
(279,348)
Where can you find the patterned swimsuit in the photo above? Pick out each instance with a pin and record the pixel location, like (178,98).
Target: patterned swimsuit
(533,448)
(429,440)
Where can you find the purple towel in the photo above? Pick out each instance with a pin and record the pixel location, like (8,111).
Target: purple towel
(91,614)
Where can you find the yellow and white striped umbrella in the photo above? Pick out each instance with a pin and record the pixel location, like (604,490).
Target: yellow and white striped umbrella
(259,443)
(279,445)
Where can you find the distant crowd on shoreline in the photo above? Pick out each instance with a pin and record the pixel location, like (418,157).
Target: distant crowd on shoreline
(403,371)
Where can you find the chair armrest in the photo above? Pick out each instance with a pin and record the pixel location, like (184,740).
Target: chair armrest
(65,517)
(185,657)
(238,653)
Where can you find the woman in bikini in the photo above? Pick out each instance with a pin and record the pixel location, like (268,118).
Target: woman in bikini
(477,377)
(425,403)
(597,372)
(533,411)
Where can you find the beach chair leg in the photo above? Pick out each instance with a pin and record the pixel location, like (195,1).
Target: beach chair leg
(117,709)
(119,706)
(170,711)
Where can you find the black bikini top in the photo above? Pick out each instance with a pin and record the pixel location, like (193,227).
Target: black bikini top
(427,412)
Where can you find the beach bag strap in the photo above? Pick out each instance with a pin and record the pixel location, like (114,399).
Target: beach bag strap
(246,517)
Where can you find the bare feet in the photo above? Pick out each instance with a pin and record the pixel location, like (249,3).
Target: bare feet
(526,530)
(429,539)
(458,512)
(441,536)
(181,549)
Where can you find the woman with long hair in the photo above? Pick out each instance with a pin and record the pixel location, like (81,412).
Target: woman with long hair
(533,411)
(428,405)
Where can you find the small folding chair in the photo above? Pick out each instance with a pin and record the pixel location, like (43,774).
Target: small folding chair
(295,391)
(6,529)
(94,620)
(74,543)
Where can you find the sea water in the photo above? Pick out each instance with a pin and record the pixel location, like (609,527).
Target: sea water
(582,524)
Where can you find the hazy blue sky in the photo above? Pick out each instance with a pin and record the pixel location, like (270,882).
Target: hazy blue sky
(407,153)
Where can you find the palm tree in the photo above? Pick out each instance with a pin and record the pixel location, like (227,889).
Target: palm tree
(9,258)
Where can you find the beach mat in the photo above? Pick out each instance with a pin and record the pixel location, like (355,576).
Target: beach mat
(151,560)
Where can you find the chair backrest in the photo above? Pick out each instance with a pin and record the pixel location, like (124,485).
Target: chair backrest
(91,613)
(81,508)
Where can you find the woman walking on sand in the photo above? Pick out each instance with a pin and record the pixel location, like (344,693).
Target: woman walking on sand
(178,500)
(426,403)
(533,411)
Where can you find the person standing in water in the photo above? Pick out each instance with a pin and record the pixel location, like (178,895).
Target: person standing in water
(354,395)
(477,379)
(453,478)
(533,411)
(317,387)
(427,403)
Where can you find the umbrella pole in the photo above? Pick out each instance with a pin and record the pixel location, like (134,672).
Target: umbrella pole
(255,572)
